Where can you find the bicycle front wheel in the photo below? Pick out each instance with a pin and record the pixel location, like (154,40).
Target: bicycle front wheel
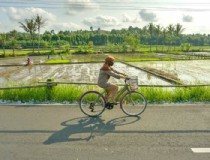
(92,103)
(133,103)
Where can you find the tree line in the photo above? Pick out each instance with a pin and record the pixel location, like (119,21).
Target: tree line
(125,38)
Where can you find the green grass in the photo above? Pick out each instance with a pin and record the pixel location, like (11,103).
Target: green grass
(26,52)
(72,93)
(142,49)
(57,61)
(147,59)
(176,95)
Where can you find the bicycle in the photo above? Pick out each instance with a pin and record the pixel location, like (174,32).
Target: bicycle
(93,103)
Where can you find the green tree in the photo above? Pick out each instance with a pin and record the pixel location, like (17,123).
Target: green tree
(13,40)
(170,30)
(30,26)
(185,47)
(3,42)
(40,22)
(91,28)
(178,29)
(13,44)
(158,30)
(151,29)
(132,42)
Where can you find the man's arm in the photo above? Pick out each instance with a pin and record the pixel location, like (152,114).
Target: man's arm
(115,71)
(115,75)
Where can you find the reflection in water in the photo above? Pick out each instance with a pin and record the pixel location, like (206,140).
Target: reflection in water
(75,73)
(148,76)
(188,72)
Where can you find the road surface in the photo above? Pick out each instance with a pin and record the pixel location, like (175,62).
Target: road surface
(61,132)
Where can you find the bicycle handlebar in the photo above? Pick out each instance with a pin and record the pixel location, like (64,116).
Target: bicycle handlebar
(127,78)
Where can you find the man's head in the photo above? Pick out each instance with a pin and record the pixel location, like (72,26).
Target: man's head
(109,60)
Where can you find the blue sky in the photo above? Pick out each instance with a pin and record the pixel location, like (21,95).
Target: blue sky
(107,14)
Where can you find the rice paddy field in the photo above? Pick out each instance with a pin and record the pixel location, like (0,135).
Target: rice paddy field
(188,71)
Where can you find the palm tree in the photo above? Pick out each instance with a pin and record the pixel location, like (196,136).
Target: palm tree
(91,28)
(30,26)
(151,29)
(164,32)
(158,30)
(170,30)
(13,45)
(178,29)
(40,22)
(13,42)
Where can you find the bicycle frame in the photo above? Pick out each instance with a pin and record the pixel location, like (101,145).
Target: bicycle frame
(122,91)
(129,99)
(119,93)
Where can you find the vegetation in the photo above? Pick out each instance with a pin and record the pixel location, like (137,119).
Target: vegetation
(71,94)
(149,39)
(148,59)
(57,61)
(143,42)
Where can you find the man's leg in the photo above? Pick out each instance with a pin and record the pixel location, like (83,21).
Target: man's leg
(111,93)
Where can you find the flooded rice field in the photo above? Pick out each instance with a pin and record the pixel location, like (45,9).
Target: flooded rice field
(189,72)
(75,73)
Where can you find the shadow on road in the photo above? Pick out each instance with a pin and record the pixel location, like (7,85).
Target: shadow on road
(86,128)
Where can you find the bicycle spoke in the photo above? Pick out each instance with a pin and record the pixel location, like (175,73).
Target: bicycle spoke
(92,103)
(133,103)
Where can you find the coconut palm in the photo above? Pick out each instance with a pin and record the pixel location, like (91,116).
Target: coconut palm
(170,30)
(12,40)
(178,29)
(40,22)
(30,26)
(151,29)
(158,30)
(13,45)
(91,28)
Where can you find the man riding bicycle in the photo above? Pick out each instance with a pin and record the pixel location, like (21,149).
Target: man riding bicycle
(106,71)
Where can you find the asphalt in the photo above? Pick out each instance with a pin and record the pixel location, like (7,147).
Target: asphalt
(53,131)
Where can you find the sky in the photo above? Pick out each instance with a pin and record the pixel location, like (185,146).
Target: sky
(74,15)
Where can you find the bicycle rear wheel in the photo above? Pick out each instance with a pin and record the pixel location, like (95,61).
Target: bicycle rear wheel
(92,103)
(133,103)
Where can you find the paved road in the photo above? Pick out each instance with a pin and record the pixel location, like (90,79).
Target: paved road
(63,133)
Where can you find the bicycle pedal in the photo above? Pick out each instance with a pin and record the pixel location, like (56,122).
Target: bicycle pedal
(91,107)
(109,106)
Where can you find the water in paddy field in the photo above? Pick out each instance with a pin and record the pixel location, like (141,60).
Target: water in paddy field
(189,72)
(75,73)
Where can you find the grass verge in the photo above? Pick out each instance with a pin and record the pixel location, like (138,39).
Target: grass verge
(72,93)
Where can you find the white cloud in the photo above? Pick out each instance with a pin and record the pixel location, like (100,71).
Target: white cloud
(124,1)
(19,14)
(187,18)
(127,19)
(147,16)
(78,6)
(101,21)
(64,26)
